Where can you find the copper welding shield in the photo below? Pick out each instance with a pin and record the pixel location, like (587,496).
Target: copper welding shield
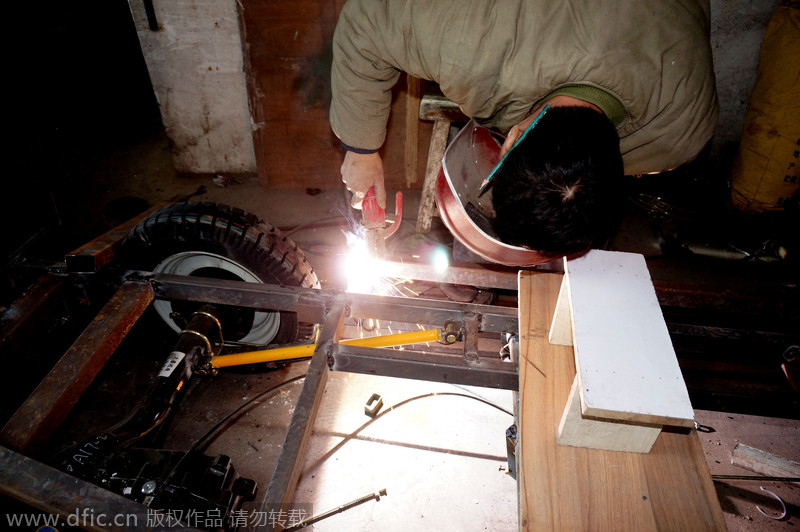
(467,212)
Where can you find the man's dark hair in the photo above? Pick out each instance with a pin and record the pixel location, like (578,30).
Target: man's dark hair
(558,191)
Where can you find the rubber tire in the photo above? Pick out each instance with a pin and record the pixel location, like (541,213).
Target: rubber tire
(248,248)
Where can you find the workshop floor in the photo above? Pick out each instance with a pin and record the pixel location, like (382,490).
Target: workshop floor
(439,453)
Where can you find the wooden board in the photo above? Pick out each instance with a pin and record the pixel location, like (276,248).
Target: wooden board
(571,488)
(289,51)
(763,462)
(580,431)
(627,366)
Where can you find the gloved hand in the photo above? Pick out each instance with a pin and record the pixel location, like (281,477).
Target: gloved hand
(361,171)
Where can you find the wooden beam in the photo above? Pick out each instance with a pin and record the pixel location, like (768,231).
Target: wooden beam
(762,462)
(572,488)
(580,431)
(427,204)
(51,401)
(413,90)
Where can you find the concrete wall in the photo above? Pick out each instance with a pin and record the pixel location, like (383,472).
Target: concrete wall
(737,27)
(196,66)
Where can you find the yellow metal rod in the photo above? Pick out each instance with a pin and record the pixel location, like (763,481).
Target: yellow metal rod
(306,351)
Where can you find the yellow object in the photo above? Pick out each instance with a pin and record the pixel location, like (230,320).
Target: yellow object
(764,174)
(306,351)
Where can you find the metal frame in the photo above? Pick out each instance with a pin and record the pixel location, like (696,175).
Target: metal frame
(23,478)
(59,391)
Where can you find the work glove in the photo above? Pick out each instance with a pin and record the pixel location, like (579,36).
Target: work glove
(361,171)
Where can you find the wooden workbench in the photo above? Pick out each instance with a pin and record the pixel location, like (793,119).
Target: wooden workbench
(571,488)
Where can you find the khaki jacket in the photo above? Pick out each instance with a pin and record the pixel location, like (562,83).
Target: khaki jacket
(650,59)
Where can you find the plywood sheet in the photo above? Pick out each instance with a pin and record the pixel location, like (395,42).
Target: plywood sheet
(571,488)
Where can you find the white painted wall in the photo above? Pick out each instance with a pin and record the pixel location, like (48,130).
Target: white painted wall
(196,67)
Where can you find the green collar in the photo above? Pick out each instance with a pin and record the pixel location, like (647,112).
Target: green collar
(607,103)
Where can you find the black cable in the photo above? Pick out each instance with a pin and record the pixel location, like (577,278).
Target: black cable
(509,412)
(212,432)
(339,445)
(220,425)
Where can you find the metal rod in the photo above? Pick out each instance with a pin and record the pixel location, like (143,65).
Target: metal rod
(305,351)
(324,515)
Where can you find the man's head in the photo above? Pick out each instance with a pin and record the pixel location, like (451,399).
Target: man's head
(558,191)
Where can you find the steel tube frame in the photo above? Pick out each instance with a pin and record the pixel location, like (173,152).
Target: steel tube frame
(309,304)
(328,307)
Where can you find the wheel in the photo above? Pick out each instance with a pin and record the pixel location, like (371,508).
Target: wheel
(217,241)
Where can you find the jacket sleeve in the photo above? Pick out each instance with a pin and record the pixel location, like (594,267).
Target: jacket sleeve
(362,77)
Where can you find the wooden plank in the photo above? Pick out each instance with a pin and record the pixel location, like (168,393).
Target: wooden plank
(580,431)
(413,85)
(427,204)
(51,401)
(571,488)
(561,328)
(627,365)
(762,462)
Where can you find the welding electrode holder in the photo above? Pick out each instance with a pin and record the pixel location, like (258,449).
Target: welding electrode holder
(373,221)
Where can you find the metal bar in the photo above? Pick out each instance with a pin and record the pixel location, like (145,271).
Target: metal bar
(432,312)
(490,373)
(471,326)
(290,462)
(75,501)
(26,313)
(152,21)
(488,276)
(48,405)
(309,303)
(94,255)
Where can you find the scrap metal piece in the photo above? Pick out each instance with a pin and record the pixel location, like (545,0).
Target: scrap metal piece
(373,405)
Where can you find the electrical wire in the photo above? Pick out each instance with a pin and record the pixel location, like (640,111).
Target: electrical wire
(482,398)
(220,426)
(213,431)
(404,402)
